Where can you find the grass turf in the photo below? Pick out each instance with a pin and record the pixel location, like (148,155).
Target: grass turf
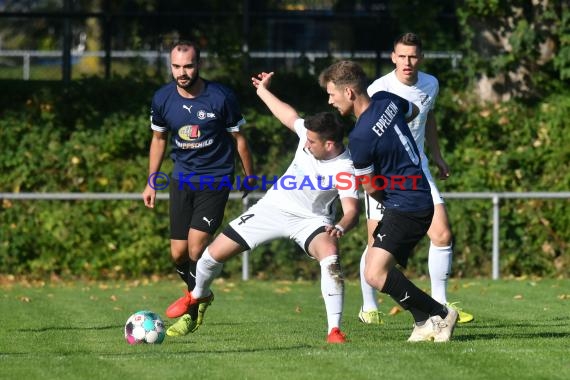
(277,330)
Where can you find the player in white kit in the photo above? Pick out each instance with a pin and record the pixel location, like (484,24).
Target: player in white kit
(299,206)
(422,90)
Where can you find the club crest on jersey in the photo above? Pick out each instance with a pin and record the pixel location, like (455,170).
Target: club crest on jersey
(324,182)
(189,132)
(424,99)
(203,114)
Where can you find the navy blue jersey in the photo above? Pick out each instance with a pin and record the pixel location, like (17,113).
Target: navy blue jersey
(200,130)
(381,143)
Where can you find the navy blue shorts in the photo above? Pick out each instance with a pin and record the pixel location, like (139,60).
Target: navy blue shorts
(199,209)
(399,232)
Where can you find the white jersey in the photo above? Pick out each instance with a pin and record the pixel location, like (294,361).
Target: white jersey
(310,186)
(423,94)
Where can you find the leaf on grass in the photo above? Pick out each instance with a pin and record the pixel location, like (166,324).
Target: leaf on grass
(114,298)
(518,297)
(283,290)
(25,299)
(297,309)
(395,310)
(564,297)
(228,287)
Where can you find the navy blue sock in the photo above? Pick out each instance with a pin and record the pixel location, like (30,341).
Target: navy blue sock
(410,297)
(187,272)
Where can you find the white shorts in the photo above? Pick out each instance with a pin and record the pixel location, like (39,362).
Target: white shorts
(264,222)
(375,210)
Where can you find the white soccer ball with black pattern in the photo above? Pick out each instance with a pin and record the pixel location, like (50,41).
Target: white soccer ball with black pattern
(144,327)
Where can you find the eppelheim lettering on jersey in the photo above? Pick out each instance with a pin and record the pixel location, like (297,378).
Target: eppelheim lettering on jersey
(385,119)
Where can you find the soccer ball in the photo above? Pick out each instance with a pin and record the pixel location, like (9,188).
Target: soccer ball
(144,327)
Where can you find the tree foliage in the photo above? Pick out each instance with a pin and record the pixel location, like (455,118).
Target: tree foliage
(515,48)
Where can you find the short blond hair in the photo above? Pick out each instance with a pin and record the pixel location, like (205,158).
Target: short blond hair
(345,73)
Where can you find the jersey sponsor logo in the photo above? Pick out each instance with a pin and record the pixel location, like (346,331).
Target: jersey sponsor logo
(194,145)
(188,108)
(208,221)
(189,132)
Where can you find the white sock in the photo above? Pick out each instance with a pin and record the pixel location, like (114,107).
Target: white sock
(332,289)
(368,292)
(207,270)
(439,263)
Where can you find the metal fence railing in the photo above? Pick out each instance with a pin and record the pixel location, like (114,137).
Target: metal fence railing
(494,197)
(27,56)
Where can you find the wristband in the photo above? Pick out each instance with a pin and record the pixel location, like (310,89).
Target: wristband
(338,227)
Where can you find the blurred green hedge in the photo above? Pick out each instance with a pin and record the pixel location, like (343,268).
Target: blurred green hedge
(93,136)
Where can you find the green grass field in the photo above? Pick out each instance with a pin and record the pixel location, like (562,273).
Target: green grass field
(276,330)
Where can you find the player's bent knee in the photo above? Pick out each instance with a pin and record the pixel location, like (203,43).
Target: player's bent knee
(374,279)
(441,238)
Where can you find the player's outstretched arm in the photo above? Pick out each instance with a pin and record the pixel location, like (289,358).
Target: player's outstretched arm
(281,110)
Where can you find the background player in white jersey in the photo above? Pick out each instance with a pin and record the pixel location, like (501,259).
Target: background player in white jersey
(305,215)
(421,89)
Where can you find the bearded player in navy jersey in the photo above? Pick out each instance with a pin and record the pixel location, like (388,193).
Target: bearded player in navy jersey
(203,119)
(382,146)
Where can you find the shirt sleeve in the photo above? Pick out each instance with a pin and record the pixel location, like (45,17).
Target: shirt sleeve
(299,126)
(435,93)
(157,123)
(361,157)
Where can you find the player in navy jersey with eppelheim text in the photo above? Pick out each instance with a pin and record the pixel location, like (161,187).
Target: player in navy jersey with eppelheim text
(382,146)
(420,88)
(323,172)
(203,119)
